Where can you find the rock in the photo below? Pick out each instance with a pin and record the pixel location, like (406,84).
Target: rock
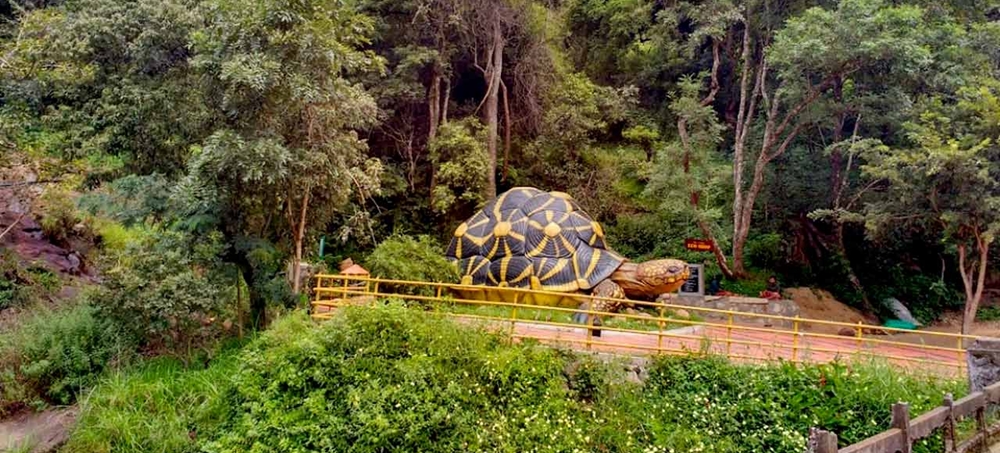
(901,312)
(74,263)
(847,332)
(682,313)
(38,432)
(983,358)
(631,311)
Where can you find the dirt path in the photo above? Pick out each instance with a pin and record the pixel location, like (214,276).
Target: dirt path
(42,431)
(745,345)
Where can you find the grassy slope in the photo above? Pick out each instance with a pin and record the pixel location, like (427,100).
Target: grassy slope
(157,407)
(429,385)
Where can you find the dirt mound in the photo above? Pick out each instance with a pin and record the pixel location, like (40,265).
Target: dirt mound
(820,304)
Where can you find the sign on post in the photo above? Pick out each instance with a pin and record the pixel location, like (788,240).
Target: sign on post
(695,284)
(698,245)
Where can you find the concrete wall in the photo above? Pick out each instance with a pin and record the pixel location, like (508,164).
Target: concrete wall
(754,305)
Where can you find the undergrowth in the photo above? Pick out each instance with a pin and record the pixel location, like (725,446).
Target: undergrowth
(159,406)
(394,379)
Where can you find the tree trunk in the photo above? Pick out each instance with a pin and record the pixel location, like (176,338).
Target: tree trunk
(444,101)
(973,283)
(492,103)
(506,132)
(258,304)
(433,105)
(682,132)
(300,233)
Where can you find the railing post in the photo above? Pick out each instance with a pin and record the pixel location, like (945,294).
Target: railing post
(901,421)
(729,336)
(860,341)
(821,441)
(795,339)
(376,288)
(590,328)
(659,335)
(949,425)
(961,355)
(513,315)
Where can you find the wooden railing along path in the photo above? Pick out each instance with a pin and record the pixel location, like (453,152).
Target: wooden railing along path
(905,432)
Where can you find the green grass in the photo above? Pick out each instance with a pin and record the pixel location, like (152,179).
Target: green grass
(157,407)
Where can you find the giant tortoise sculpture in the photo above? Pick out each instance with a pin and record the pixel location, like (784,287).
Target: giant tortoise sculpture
(529,238)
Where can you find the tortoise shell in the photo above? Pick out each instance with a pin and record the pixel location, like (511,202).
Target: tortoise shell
(527,238)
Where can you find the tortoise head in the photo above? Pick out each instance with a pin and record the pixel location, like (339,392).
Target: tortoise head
(663,276)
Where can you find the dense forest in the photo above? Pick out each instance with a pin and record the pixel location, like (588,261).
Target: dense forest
(848,145)
(179,168)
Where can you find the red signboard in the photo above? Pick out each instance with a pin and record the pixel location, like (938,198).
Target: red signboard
(698,245)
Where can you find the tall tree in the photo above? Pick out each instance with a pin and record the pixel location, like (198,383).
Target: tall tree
(808,56)
(950,177)
(280,73)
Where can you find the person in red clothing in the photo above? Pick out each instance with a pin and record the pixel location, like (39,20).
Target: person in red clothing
(773,290)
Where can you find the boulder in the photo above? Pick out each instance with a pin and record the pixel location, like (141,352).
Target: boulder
(901,312)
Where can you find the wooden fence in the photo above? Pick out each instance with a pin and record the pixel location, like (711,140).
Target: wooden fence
(905,432)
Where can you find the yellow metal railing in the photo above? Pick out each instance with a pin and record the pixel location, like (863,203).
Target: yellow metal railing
(732,336)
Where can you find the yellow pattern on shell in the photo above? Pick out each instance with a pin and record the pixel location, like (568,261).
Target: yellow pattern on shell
(502,229)
(552,229)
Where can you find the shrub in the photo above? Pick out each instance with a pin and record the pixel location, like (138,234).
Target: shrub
(131,199)
(766,251)
(55,354)
(391,379)
(460,164)
(167,289)
(115,237)
(59,215)
(16,285)
(771,407)
(408,258)
(159,406)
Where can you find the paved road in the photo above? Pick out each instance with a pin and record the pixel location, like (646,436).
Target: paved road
(745,345)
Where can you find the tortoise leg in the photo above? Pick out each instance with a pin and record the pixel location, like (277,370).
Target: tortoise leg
(611,290)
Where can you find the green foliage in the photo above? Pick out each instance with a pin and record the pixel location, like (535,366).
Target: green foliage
(159,406)
(115,237)
(19,285)
(458,155)
(56,354)
(988,314)
(770,408)
(59,215)
(167,289)
(926,297)
(130,200)
(407,258)
(388,378)
(766,251)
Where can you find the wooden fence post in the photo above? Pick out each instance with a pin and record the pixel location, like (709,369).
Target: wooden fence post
(949,425)
(901,421)
(984,439)
(821,441)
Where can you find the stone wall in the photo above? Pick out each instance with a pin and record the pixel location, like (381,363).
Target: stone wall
(754,305)
(983,357)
